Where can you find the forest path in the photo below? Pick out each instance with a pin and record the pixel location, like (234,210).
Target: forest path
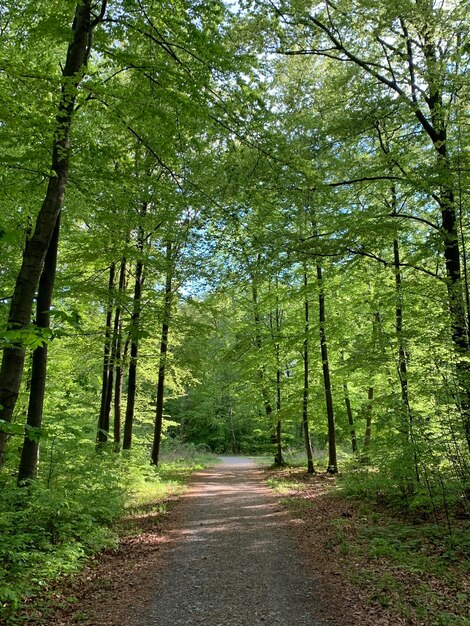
(229,558)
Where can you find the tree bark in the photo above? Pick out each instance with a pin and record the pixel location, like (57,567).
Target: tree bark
(332,462)
(349,414)
(30,452)
(135,328)
(121,355)
(368,431)
(403,359)
(106,385)
(167,303)
(402,356)
(305,421)
(268,409)
(232,429)
(35,252)
(278,459)
(275,333)
(116,365)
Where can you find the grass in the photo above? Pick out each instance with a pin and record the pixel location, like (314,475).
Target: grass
(285,485)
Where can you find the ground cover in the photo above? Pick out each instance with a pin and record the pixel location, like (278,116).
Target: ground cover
(56,565)
(378,566)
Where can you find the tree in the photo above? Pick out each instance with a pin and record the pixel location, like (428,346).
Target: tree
(407,57)
(85,21)
(305,421)
(166,317)
(30,451)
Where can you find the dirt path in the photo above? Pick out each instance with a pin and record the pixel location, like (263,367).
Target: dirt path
(229,558)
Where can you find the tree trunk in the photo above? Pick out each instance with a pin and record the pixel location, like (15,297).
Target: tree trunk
(349,413)
(132,377)
(116,364)
(403,359)
(232,429)
(305,424)
(121,356)
(135,328)
(106,386)
(332,462)
(30,452)
(168,298)
(259,344)
(36,249)
(352,427)
(402,356)
(278,458)
(368,431)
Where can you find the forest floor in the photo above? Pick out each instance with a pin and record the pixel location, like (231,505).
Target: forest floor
(232,552)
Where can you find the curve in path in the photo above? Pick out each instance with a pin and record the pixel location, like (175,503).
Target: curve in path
(230,558)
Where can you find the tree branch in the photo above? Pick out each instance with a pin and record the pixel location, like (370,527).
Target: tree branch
(369,68)
(385,263)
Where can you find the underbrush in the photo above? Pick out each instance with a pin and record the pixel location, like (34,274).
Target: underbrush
(407,550)
(76,509)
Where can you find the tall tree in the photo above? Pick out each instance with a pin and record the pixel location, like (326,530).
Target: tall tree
(30,451)
(166,318)
(115,364)
(135,327)
(34,254)
(305,398)
(107,376)
(332,461)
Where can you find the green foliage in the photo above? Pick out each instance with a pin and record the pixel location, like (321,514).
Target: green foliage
(47,530)
(258,168)
(31,337)
(415,554)
(49,527)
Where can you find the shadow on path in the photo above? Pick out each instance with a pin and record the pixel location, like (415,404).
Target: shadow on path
(230,558)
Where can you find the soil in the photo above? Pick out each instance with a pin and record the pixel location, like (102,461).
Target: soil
(229,554)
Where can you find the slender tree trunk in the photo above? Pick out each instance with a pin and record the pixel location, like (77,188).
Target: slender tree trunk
(118,396)
(232,429)
(106,386)
(332,462)
(305,422)
(132,376)
(168,298)
(278,458)
(268,409)
(30,452)
(135,328)
(121,356)
(368,431)
(349,413)
(35,252)
(116,365)
(403,358)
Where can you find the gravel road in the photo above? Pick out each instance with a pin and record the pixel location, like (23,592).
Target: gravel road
(231,558)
